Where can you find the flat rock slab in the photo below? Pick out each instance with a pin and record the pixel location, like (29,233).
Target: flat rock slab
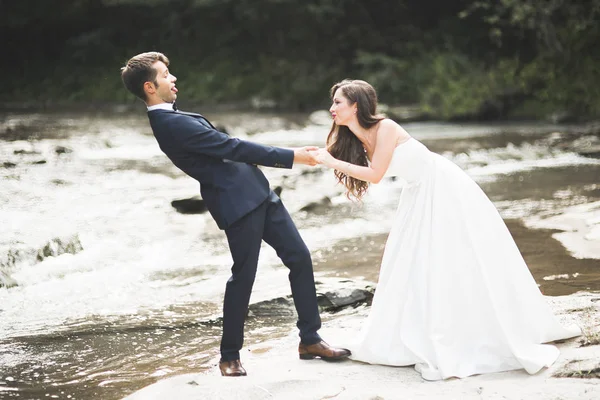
(276,372)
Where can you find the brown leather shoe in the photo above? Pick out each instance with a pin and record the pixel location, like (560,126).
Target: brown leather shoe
(322,350)
(232,368)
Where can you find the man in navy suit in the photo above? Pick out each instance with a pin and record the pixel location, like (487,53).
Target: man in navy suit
(238,196)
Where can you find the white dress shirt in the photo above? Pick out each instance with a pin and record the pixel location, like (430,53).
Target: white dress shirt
(161,106)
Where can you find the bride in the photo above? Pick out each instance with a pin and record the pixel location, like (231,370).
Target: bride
(455,297)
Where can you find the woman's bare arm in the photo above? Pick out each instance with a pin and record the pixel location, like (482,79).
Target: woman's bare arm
(387,138)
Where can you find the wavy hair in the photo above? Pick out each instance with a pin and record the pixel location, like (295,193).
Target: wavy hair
(342,143)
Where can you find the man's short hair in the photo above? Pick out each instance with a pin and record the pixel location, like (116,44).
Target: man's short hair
(139,70)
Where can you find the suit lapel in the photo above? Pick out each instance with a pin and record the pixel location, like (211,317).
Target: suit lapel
(203,120)
(199,117)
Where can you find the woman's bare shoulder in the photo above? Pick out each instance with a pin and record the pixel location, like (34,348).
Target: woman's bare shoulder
(386,122)
(386,125)
(389,126)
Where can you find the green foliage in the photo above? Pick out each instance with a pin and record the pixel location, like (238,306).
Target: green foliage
(457,58)
(461,87)
(568,87)
(396,79)
(557,48)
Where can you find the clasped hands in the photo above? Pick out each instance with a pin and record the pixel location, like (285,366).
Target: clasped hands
(312,155)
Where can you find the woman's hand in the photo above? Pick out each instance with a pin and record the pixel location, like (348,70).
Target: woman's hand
(323,157)
(305,155)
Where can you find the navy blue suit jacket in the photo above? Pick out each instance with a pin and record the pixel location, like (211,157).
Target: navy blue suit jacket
(230,182)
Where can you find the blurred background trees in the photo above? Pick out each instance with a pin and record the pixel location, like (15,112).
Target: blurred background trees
(455,58)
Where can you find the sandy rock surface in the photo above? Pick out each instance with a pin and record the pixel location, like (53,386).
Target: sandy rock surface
(276,372)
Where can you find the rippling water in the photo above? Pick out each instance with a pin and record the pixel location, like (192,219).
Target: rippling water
(113,289)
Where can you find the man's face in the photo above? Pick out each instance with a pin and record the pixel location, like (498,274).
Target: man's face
(164,90)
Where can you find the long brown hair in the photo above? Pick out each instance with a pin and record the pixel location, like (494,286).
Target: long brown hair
(342,143)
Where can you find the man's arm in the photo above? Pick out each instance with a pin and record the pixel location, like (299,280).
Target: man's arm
(195,137)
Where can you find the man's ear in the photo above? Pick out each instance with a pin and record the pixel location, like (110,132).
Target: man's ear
(149,88)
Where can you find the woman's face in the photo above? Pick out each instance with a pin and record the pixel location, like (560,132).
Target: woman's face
(341,110)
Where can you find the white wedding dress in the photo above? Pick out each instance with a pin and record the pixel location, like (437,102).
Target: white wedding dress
(455,297)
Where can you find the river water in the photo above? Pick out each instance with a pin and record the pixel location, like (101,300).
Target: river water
(105,288)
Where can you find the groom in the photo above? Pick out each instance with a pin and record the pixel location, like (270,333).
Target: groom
(238,196)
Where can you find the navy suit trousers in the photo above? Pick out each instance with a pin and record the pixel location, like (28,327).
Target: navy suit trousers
(270,222)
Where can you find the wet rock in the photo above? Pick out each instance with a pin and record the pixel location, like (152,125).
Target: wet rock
(592,152)
(13,255)
(8,164)
(332,295)
(336,293)
(312,171)
(39,162)
(58,246)
(26,152)
(62,150)
(8,259)
(6,281)
(586,141)
(192,205)
(587,145)
(320,205)
(344,297)
(280,306)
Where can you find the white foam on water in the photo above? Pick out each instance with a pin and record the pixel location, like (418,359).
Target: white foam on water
(139,253)
(485,165)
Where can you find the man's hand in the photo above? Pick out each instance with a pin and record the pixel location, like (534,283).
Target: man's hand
(304,155)
(324,157)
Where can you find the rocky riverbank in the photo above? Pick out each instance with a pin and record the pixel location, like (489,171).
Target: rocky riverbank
(275,372)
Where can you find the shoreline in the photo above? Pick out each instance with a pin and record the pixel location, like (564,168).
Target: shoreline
(275,372)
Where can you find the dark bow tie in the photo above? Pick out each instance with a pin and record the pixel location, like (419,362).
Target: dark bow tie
(174,106)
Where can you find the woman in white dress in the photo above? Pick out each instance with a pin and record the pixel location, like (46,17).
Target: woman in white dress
(455,297)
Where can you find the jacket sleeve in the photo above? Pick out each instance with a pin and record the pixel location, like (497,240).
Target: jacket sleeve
(195,137)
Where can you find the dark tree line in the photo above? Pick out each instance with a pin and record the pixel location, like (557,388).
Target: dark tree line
(494,58)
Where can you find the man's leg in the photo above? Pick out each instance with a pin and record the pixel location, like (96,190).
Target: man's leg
(244,237)
(281,234)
